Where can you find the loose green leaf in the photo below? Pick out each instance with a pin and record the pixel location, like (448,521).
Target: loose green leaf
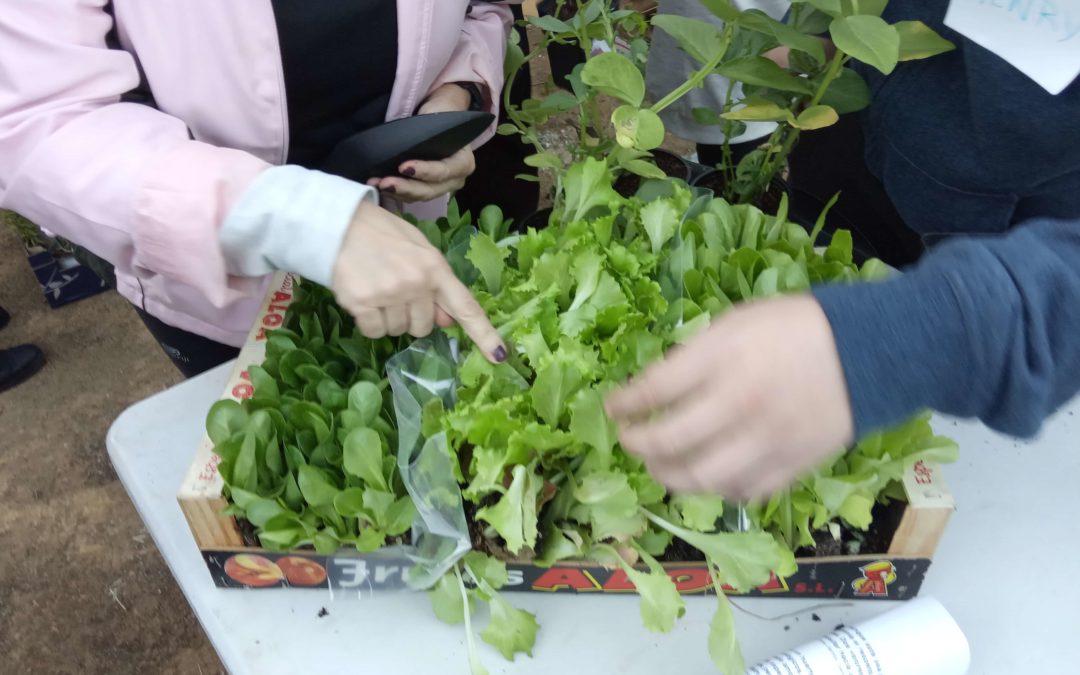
(744,559)
(447,600)
(848,93)
(723,644)
(661,603)
(510,630)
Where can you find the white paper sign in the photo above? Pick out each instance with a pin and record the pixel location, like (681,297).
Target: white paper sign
(919,638)
(1041,38)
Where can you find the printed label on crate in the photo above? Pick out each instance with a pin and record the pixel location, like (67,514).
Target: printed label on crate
(203,479)
(886,578)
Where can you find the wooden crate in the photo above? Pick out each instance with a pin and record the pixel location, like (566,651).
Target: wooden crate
(894,574)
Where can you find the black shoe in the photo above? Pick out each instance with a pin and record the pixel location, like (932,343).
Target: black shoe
(4,317)
(18,364)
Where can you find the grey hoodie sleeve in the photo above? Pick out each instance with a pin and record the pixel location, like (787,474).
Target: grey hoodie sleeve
(985,327)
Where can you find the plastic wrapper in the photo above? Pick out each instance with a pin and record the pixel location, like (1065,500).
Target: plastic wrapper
(423,377)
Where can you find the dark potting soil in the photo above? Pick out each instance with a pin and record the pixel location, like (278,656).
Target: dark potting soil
(627,185)
(247,533)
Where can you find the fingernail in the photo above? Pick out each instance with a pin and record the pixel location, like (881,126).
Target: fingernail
(390,189)
(409,171)
(500,354)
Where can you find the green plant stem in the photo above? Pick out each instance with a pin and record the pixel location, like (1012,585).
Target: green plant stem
(470,645)
(773,163)
(508,87)
(697,78)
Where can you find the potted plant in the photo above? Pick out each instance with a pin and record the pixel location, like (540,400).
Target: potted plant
(54,260)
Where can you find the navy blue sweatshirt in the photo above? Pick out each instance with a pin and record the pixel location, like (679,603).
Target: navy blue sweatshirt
(987,325)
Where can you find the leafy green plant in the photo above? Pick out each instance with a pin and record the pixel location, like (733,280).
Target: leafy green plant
(813,90)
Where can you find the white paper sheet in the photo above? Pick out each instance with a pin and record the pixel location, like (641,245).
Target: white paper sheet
(1041,38)
(918,638)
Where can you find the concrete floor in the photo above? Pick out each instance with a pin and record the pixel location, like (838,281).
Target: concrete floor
(83,589)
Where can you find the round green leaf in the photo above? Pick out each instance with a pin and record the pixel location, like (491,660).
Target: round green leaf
(868,39)
(634,128)
(366,399)
(848,93)
(225,419)
(615,75)
(363,455)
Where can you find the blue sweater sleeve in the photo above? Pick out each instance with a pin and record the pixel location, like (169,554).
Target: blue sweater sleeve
(985,327)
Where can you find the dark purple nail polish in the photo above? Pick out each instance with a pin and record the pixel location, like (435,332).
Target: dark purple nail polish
(500,354)
(409,171)
(390,189)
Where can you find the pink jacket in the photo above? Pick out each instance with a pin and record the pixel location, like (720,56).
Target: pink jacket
(128,182)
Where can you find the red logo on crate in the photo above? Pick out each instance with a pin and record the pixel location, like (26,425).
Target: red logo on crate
(923,474)
(275,312)
(875,580)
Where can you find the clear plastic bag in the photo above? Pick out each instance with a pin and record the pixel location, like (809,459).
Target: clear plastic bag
(424,375)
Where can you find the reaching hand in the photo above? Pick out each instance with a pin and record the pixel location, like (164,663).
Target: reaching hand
(422,181)
(746,407)
(393,281)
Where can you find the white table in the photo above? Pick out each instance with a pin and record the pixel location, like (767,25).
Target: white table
(1005,570)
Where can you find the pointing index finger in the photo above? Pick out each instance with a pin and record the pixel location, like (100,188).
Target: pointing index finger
(455,299)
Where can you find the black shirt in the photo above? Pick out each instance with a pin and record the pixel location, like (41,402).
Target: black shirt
(340,60)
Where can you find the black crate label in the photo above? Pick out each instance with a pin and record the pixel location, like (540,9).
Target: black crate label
(886,578)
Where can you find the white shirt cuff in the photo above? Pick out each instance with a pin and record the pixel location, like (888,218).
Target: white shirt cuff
(291,219)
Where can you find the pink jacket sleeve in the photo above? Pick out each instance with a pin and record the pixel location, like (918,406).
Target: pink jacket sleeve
(480,54)
(123,180)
